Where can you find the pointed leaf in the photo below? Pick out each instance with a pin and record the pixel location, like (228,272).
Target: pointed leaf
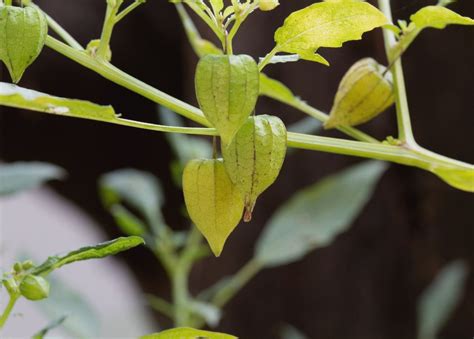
(213,202)
(227,91)
(316,215)
(440,299)
(460,179)
(255,156)
(20,176)
(326,24)
(98,251)
(438,17)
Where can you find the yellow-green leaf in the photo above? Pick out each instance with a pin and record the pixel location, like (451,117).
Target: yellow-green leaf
(275,89)
(460,179)
(365,91)
(438,17)
(227,88)
(255,156)
(187,333)
(214,203)
(326,24)
(22,36)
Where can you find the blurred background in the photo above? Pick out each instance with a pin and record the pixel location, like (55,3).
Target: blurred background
(365,285)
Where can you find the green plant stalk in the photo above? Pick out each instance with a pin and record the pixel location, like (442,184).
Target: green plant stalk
(413,157)
(405,132)
(8,309)
(113,7)
(268,58)
(236,282)
(212,25)
(128,10)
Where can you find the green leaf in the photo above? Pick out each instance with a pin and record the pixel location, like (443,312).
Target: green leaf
(217,5)
(438,17)
(51,326)
(326,24)
(128,223)
(139,189)
(98,251)
(15,96)
(22,36)
(460,179)
(275,89)
(214,204)
(187,333)
(316,215)
(254,157)
(440,299)
(227,91)
(20,176)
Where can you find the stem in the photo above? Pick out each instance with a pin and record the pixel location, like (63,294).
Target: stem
(405,133)
(212,25)
(121,78)
(127,10)
(179,286)
(110,16)
(53,24)
(8,309)
(161,306)
(268,58)
(235,284)
(402,155)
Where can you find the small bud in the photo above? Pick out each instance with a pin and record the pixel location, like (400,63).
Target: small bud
(18,267)
(11,286)
(27,264)
(268,5)
(33,287)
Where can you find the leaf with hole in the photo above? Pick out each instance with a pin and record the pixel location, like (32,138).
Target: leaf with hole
(254,157)
(214,203)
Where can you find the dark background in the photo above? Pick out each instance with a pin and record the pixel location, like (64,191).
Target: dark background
(363,286)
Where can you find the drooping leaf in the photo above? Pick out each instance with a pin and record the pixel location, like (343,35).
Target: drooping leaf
(20,176)
(213,202)
(316,215)
(16,96)
(227,91)
(51,326)
(438,17)
(440,299)
(187,333)
(98,251)
(254,157)
(139,189)
(22,36)
(326,24)
(365,91)
(275,89)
